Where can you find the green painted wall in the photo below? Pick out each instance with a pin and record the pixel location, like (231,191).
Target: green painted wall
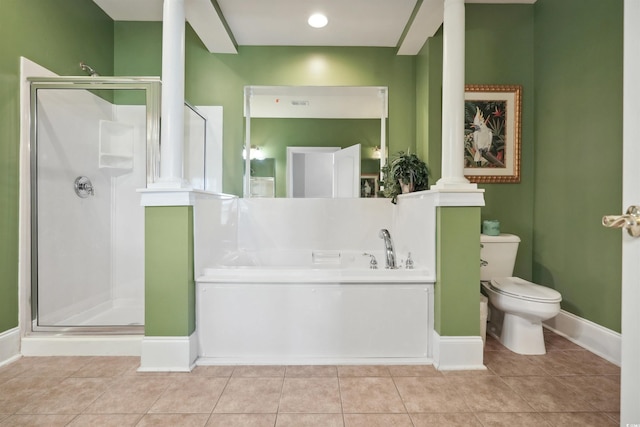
(499,53)
(429,104)
(568,58)
(578,154)
(457,290)
(218,79)
(142,57)
(502,53)
(169,278)
(57,35)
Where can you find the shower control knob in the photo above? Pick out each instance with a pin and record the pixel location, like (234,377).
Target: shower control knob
(83,187)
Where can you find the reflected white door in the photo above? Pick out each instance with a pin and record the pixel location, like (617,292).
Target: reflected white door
(323,171)
(630,374)
(309,171)
(346,172)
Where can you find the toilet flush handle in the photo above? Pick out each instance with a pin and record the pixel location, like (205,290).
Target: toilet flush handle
(630,221)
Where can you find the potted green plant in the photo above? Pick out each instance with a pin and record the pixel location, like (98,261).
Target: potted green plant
(404,173)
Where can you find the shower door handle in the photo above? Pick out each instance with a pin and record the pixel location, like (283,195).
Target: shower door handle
(630,221)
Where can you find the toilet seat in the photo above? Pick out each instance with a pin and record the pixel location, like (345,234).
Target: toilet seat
(521,289)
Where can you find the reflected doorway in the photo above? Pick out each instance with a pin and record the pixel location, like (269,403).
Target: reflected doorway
(324,172)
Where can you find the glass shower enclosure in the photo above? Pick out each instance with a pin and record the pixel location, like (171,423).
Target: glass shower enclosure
(94,143)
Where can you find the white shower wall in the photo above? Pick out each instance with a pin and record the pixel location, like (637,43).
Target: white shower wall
(128,215)
(90,250)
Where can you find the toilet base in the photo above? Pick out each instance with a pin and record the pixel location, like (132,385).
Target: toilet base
(522,335)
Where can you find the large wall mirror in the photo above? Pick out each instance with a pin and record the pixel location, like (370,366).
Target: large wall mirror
(294,133)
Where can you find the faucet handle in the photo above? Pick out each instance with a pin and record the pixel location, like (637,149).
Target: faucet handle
(409,262)
(373,264)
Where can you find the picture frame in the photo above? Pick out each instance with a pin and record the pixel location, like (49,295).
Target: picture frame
(369,185)
(492,133)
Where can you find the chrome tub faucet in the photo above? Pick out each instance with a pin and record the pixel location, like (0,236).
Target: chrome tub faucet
(390,254)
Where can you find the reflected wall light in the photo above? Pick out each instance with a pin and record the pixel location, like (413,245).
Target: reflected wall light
(376,152)
(255,153)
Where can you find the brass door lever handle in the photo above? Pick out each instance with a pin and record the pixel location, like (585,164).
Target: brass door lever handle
(630,221)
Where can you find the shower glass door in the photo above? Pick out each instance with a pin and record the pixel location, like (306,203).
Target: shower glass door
(94,143)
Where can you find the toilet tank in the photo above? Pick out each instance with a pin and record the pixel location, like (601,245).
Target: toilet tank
(498,255)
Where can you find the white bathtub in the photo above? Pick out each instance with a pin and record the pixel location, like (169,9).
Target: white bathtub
(321,314)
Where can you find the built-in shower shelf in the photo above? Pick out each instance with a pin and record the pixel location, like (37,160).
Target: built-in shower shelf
(116,146)
(115,161)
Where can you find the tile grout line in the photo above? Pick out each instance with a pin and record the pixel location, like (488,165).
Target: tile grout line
(393,379)
(219,396)
(344,423)
(284,375)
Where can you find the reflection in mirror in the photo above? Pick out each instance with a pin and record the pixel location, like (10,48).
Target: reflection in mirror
(323,172)
(274,136)
(263,177)
(278,117)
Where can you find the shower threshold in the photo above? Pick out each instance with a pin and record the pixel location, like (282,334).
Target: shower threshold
(80,344)
(113,317)
(104,332)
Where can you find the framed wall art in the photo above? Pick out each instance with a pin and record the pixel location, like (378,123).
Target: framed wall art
(369,185)
(492,133)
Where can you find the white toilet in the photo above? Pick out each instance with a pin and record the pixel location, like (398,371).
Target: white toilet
(518,307)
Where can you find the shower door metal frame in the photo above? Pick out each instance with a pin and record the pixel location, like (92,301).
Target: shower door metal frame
(152,87)
(204,146)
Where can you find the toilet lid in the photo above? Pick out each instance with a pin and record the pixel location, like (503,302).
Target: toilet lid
(520,288)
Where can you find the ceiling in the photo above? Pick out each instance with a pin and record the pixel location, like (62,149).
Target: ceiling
(223,25)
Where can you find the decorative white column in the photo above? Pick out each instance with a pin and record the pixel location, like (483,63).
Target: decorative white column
(172,125)
(453,99)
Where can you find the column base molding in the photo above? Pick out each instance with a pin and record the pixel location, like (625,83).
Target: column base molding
(458,353)
(169,354)
(9,346)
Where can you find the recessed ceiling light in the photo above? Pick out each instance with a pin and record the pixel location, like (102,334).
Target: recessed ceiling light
(318,20)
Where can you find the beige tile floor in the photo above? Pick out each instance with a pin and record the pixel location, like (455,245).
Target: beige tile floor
(567,386)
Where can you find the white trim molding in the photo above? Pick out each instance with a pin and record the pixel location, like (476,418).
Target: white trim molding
(169,354)
(449,197)
(458,353)
(175,197)
(591,336)
(9,346)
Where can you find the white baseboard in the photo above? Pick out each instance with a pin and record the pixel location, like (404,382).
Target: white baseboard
(9,346)
(168,354)
(81,345)
(279,361)
(591,336)
(457,353)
